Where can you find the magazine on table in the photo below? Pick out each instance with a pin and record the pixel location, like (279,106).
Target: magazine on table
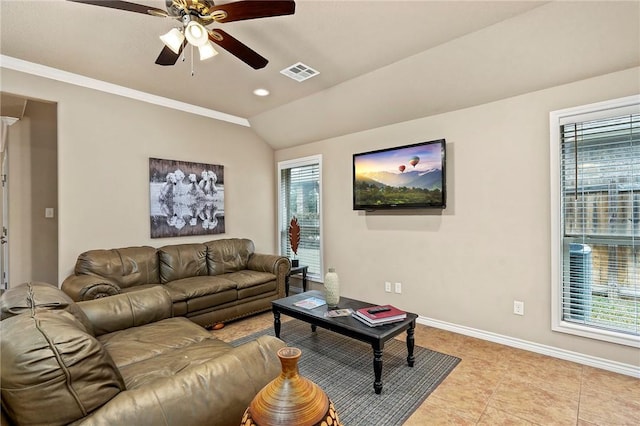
(310,303)
(338,313)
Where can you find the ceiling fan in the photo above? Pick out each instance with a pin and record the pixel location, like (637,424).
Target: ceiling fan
(195,15)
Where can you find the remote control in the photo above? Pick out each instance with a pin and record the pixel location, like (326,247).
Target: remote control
(378,310)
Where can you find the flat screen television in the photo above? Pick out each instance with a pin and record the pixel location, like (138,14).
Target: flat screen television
(410,176)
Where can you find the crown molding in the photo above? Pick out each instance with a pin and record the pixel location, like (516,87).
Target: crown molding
(32,68)
(9,121)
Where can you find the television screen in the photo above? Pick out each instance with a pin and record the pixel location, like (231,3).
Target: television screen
(410,176)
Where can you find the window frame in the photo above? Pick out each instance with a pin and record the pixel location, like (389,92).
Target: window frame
(289,164)
(558,118)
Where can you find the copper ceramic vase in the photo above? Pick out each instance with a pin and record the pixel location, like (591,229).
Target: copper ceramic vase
(290,399)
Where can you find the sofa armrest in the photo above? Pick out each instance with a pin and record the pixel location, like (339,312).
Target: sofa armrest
(280,266)
(213,393)
(131,309)
(89,287)
(277,265)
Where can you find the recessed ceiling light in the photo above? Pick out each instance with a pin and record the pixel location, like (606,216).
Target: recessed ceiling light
(261,92)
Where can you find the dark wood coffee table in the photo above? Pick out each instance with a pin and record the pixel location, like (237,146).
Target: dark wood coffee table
(348,326)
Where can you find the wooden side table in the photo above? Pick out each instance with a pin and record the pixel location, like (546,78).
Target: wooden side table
(302,269)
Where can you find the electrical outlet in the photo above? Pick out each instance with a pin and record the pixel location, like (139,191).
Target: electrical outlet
(398,287)
(387,286)
(518,307)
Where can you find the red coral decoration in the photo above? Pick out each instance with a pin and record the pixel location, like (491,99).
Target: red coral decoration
(294,234)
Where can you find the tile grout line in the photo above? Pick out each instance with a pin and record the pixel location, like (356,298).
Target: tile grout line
(493,392)
(582,373)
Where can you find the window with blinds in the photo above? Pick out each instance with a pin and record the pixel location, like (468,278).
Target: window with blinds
(599,160)
(300,196)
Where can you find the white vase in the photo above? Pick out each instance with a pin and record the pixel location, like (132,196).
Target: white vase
(332,288)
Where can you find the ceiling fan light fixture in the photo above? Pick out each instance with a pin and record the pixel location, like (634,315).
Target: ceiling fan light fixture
(196,34)
(173,40)
(207,51)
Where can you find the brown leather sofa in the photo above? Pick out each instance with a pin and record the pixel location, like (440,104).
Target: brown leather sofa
(121,360)
(209,283)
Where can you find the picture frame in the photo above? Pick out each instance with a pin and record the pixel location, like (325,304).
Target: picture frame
(185,198)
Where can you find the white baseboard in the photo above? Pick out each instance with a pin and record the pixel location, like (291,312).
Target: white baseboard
(605,364)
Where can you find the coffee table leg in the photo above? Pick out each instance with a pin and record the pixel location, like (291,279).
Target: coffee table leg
(276,322)
(410,344)
(377,367)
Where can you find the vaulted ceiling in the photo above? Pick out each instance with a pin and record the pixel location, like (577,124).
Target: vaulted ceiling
(380,62)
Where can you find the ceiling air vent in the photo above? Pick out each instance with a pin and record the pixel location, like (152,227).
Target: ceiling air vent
(299,72)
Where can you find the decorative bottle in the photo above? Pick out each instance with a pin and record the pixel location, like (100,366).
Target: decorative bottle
(332,288)
(290,399)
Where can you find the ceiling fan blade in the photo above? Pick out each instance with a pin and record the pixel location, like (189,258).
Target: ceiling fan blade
(168,56)
(125,5)
(252,9)
(237,48)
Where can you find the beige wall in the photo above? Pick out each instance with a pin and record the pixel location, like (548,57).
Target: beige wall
(104,145)
(19,205)
(43,191)
(466,265)
(32,187)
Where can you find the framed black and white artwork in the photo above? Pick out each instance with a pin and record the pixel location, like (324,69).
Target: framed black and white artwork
(185,198)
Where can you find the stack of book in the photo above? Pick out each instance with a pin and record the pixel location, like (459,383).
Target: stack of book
(379,315)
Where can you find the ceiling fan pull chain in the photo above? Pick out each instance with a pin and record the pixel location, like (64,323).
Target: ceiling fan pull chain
(192,71)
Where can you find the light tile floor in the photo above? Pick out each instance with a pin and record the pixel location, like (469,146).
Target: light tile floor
(500,385)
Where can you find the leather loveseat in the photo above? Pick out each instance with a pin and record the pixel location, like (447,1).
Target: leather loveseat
(209,283)
(121,360)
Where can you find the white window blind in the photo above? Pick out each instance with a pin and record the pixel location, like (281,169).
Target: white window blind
(600,222)
(300,196)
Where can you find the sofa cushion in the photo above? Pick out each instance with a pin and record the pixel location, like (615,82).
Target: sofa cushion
(211,303)
(182,261)
(53,371)
(131,309)
(126,267)
(189,288)
(212,393)
(202,293)
(167,364)
(228,255)
(141,287)
(27,297)
(259,291)
(248,278)
(137,344)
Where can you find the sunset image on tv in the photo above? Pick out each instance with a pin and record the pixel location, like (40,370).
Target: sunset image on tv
(408,176)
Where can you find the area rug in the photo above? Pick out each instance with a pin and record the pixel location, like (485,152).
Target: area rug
(343,367)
